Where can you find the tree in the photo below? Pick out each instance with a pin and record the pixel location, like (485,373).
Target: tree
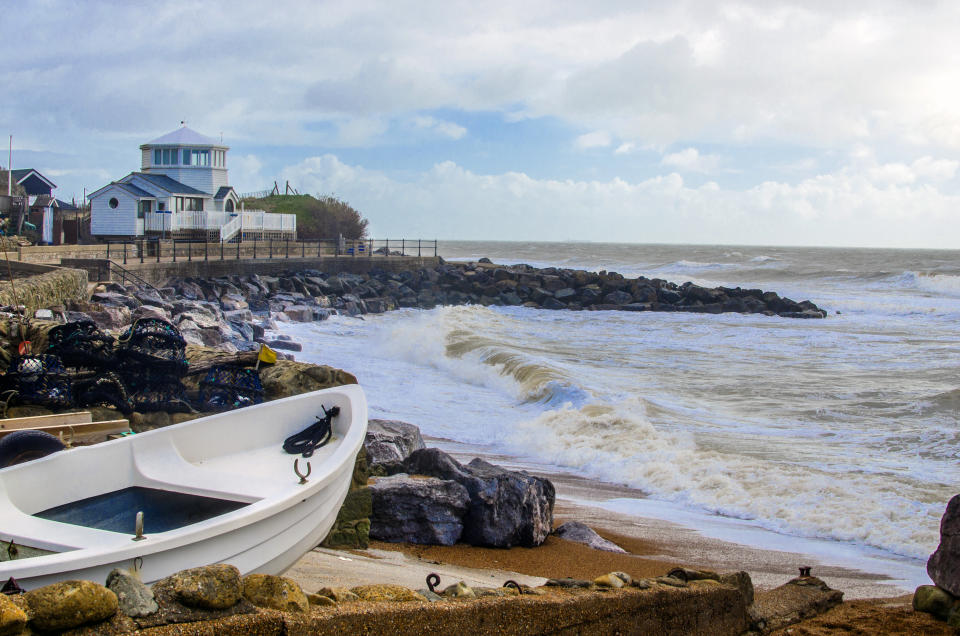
(331,217)
(320,217)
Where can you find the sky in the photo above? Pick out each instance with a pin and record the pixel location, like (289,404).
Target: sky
(765,123)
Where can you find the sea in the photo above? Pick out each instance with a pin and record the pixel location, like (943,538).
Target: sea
(840,435)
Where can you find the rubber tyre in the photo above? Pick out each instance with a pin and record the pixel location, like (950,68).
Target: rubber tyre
(24,446)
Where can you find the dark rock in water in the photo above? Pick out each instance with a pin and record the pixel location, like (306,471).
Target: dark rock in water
(284,344)
(391,440)
(582,533)
(553,303)
(618,298)
(507,508)
(944,564)
(425,511)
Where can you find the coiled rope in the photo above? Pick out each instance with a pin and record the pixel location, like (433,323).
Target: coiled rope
(314,436)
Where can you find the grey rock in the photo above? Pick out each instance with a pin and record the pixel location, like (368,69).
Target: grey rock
(507,508)
(238,315)
(582,533)
(134,597)
(618,298)
(944,564)
(299,313)
(149,311)
(391,440)
(425,511)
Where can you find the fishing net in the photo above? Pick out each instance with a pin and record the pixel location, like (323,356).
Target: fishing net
(155,343)
(106,389)
(40,380)
(230,387)
(158,392)
(81,344)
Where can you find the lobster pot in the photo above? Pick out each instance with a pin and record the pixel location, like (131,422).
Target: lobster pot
(82,344)
(155,344)
(106,389)
(158,394)
(41,380)
(230,387)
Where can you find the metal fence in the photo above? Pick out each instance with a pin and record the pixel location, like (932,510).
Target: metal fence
(171,250)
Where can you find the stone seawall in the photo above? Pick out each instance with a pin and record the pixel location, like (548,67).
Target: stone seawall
(157,273)
(42,286)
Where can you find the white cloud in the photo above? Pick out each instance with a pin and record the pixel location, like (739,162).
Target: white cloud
(690,160)
(596,139)
(848,207)
(443,128)
(625,148)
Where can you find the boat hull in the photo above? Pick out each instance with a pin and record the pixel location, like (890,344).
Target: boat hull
(280,518)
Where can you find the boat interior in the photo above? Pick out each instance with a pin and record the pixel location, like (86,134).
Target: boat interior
(181,475)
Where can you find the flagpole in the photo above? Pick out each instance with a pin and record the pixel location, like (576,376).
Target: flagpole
(10,170)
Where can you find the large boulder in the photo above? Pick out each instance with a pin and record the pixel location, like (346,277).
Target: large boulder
(69,604)
(425,511)
(286,378)
(134,597)
(214,587)
(12,618)
(582,533)
(944,564)
(275,592)
(507,508)
(391,440)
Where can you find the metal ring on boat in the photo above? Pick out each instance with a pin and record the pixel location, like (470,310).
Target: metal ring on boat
(296,469)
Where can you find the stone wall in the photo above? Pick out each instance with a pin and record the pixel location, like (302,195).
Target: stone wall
(157,273)
(53,253)
(44,287)
(715,610)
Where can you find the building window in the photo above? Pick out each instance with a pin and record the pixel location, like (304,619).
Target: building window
(113,203)
(157,156)
(143,207)
(186,157)
(189,204)
(198,157)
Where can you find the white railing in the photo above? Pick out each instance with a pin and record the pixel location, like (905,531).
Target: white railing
(226,222)
(254,220)
(230,229)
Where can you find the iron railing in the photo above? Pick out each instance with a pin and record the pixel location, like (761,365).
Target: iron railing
(171,250)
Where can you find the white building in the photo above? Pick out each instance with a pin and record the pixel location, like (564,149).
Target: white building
(182,190)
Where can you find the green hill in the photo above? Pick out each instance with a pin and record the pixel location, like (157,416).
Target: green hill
(324,217)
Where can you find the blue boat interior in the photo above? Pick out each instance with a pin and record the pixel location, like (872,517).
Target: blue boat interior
(163,510)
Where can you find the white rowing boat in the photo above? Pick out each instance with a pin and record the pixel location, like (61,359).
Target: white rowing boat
(219,489)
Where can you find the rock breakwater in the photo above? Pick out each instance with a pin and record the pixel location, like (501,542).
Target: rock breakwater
(231,313)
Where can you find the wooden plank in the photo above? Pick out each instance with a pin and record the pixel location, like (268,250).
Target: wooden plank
(18,423)
(82,432)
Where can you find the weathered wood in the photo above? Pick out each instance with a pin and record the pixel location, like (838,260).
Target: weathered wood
(80,432)
(38,421)
(241,358)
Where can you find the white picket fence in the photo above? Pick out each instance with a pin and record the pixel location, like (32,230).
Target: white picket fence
(227,223)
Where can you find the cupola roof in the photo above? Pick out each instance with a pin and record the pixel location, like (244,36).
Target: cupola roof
(184,136)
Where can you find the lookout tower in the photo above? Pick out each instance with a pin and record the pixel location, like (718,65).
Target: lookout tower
(188,157)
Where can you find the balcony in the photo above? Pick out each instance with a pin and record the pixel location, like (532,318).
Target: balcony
(248,223)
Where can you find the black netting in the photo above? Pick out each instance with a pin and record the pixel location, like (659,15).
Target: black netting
(41,380)
(230,387)
(158,394)
(107,389)
(156,343)
(81,344)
